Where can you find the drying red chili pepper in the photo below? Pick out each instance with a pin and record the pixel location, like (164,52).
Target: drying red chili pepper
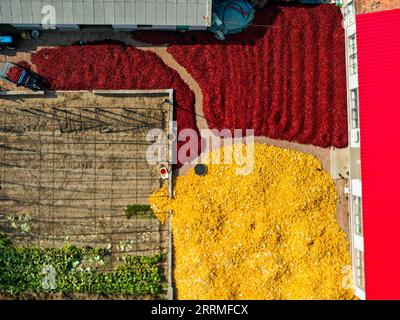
(284,76)
(14,73)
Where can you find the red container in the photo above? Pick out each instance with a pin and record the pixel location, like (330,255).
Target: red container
(14,73)
(164,173)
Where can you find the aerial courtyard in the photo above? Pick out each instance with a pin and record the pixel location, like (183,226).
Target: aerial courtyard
(77,188)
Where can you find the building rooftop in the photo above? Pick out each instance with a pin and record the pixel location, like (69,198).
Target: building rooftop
(110,12)
(378,68)
(367,6)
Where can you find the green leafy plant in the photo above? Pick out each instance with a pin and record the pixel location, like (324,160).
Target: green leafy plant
(77,270)
(139,210)
(20,223)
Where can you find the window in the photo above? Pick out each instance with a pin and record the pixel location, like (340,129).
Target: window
(354,108)
(349,9)
(352,52)
(359,266)
(352,45)
(353,65)
(357,215)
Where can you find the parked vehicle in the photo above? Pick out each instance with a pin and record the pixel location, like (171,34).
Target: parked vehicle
(8,41)
(20,76)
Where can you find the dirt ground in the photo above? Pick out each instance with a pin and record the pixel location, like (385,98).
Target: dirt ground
(71,163)
(366,6)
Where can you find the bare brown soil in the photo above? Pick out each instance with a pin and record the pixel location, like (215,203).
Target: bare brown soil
(71,163)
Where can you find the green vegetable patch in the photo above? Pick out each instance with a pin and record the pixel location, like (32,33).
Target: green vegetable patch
(76,270)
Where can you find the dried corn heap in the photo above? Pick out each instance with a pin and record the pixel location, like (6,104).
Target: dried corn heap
(268,235)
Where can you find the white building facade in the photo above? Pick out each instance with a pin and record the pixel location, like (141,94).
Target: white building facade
(120,14)
(355,185)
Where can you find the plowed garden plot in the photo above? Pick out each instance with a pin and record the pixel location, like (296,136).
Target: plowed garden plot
(114,67)
(284,76)
(70,164)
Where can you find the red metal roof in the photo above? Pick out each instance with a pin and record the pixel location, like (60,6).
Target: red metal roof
(378,46)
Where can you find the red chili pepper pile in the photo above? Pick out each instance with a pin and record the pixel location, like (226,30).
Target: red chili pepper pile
(114,67)
(286,81)
(14,73)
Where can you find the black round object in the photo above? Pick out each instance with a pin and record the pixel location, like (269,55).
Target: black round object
(200,169)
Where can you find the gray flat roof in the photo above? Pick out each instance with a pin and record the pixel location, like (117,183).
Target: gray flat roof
(116,12)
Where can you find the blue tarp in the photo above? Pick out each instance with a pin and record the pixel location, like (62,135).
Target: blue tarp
(6,39)
(231,17)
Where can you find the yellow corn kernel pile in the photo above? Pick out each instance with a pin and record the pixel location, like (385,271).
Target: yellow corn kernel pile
(268,235)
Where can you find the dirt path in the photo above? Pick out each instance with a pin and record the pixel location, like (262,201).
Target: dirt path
(170,61)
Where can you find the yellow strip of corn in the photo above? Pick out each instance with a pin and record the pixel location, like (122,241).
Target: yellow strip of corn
(271,234)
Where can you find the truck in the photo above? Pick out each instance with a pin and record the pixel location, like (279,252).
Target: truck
(20,76)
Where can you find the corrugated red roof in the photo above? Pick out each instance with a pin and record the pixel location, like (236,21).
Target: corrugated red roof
(378,41)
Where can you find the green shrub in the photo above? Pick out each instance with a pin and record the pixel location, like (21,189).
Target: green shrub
(139,210)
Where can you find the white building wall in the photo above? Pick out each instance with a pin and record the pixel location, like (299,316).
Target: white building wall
(355,190)
(193,13)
